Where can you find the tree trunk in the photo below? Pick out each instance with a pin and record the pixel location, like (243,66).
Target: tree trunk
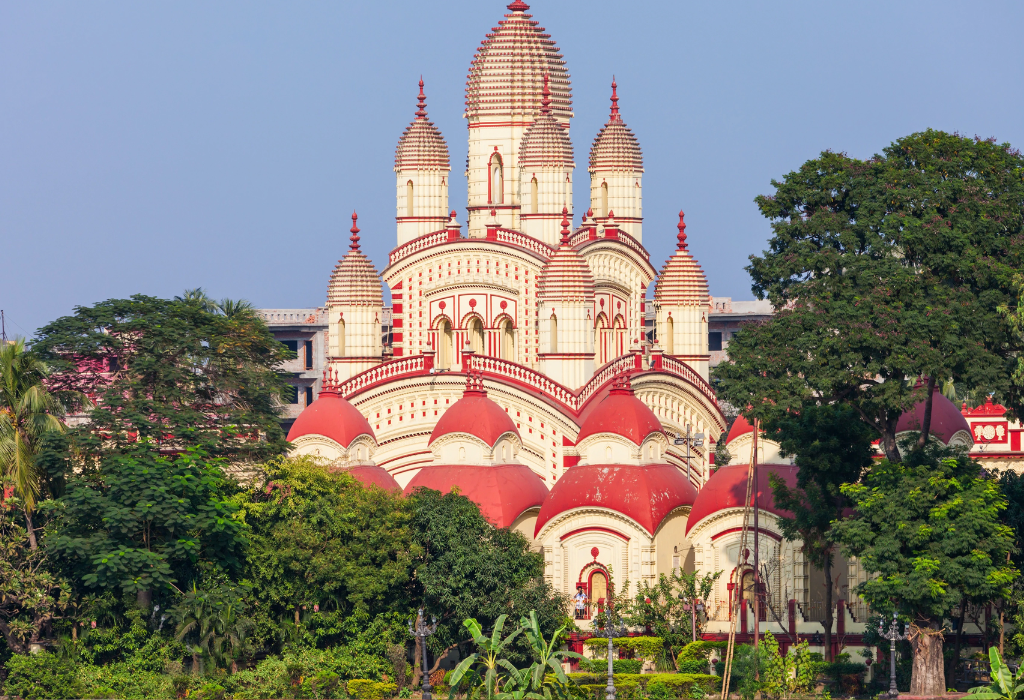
(417,669)
(951,676)
(888,444)
(926,423)
(144,599)
(31,530)
(928,679)
(829,618)
(196,670)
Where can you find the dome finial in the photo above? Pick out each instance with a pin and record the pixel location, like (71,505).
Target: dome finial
(518,6)
(421,113)
(545,98)
(682,232)
(615,102)
(565,226)
(355,233)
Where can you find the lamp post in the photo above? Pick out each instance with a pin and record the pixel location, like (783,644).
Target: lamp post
(422,630)
(610,630)
(893,635)
(695,439)
(694,606)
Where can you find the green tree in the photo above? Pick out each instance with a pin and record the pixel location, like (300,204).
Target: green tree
(881,270)
(31,595)
(929,532)
(28,413)
(663,607)
(235,307)
(467,568)
(832,448)
(171,373)
(490,656)
(213,620)
(140,521)
(318,537)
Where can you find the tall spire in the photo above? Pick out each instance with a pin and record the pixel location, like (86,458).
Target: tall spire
(565,226)
(354,245)
(682,232)
(545,98)
(421,113)
(615,103)
(518,6)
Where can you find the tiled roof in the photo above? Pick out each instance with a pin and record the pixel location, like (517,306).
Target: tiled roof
(421,146)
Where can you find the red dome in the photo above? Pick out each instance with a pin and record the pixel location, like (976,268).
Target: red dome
(372,475)
(646,494)
(333,417)
(623,414)
(503,492)
(947,420)
(475,414)
(740,426)
(727,488)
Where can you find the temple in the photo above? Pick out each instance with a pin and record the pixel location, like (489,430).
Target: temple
(519,370)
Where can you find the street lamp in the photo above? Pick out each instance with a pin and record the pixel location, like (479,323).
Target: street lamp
(694,606)
(694,439)
(610,630)
(422,630)
(893,636)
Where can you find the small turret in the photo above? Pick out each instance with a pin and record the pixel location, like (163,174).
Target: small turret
(422,168)
(616,171)
(681,301)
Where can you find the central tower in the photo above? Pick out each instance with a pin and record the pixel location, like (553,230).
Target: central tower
(503,98)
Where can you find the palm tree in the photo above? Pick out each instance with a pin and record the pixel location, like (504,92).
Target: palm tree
(27,412)
(200,297)
(235,307)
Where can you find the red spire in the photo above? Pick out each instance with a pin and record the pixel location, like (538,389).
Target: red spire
(590,213)
(421,113)
(615,103)
(355,233)
(518,6)
(545,99)
(682,232)
(475,383)
(565,226)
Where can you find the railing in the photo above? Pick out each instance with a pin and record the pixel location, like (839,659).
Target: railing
(572,400)
(274,317)
(583,236)
(428,240)
(686,372)
(580,236)
(504,235)
(387,370)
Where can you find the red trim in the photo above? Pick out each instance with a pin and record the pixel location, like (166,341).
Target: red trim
(594,529)
(739,529)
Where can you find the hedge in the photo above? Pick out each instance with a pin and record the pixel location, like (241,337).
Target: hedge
(644,647)
(371,690)
(634,685)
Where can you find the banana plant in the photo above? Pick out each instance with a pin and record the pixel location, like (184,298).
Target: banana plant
(1006,685)
(548,657)
(489,656)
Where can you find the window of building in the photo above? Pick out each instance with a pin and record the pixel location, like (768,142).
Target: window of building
(714,341)
(553,331)
(604,199)
(670,336)
(408,198)
(292,345)
(496,182)
(308,348)
(309,395)
(291,394)
(476,336)
(533,196)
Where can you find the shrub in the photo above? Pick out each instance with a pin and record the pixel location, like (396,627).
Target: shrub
(125,681)
(699,650)
(692,665)
(658,690)
(626,665)
(210,691)
(41,675)
(370,690)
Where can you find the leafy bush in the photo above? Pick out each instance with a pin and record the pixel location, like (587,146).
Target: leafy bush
(125,681)
(210,691)
(659,690)
(692,665)
(626,665)
(679,684)
(699,650)
(370,690)
(41,675)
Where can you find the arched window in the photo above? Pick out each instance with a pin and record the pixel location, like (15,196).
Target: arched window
(496,184)
(620,336)
(533,196)
(408,198)
(444,344)
(604,199)
(598,589)
(602,340)
(553,330)
(341,337)
(476,336)
(670,336)
(508,341)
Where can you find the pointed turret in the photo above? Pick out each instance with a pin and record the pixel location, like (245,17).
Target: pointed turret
(616,171)
(422,168)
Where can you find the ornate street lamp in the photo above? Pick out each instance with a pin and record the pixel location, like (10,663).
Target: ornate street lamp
(694,606)
(611,629)
(893,636)
(695,439)
(422,630)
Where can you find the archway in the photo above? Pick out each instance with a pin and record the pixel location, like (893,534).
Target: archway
(444,344)
(476,335)
(508,341)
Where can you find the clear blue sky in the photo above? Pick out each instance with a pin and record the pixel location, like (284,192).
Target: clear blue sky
(146,147)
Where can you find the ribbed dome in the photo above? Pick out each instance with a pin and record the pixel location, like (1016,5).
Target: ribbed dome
(621,413)
(422,147)
(507,71)
(475,414)
(332,417)
(615,147)
(545,142)
(682,280)
(566,276)
(354,281)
